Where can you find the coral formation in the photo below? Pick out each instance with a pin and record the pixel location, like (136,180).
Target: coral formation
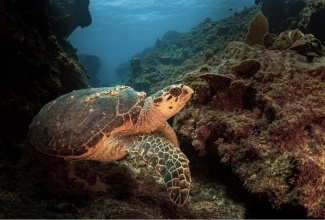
(258,28)
(305,44)
(262,112)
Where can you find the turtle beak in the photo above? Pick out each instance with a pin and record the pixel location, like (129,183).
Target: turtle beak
(187,90)
(187,93)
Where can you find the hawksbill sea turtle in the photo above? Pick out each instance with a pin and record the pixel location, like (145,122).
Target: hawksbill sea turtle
(108,123)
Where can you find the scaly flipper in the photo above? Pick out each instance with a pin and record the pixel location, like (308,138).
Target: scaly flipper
(169,161)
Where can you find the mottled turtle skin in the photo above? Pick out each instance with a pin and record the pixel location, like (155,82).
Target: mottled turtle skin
(108,123)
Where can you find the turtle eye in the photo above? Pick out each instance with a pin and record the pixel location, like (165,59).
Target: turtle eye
(175,91)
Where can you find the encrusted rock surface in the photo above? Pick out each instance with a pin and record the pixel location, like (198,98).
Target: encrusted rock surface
(262,112)
(41,186)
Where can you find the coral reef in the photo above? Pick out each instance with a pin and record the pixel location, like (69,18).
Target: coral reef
(262,113)
(177,53)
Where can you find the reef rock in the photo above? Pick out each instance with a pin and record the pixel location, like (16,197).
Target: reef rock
(282,14)
(305,44)
(312,18)
(66,16)
(92,64)
(262,112)
(292,14)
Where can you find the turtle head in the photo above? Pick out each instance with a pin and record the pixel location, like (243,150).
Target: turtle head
(170,100)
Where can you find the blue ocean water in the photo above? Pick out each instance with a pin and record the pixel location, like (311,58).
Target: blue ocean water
(122,28)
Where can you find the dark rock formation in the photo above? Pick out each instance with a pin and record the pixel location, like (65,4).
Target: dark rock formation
(92,64)
(282,14)
(262,112)
(66,16)
(292,14)
(312,18)
(35,66)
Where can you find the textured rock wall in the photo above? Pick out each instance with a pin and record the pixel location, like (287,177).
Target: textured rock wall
(282,14)
(285,15)
(36,67)
(262,112)
(66,16)
(311,19)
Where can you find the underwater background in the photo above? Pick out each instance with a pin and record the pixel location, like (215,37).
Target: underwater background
(253,130)
(122,28)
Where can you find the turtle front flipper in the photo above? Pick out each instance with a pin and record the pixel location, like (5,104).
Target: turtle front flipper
(169,161)
(166,131)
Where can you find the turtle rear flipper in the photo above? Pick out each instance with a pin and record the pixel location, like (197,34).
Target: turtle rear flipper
(170,162)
